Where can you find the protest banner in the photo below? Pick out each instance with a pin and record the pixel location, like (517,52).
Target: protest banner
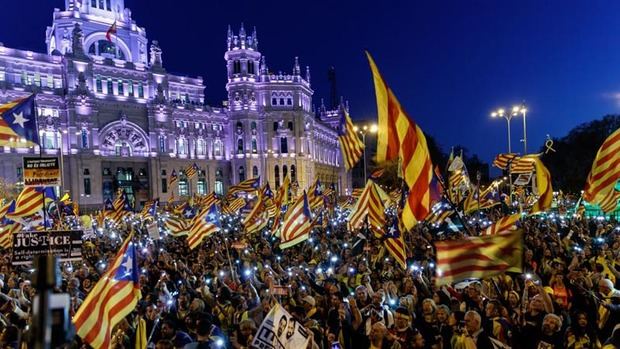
(41,172)
(65,244)
(280,330)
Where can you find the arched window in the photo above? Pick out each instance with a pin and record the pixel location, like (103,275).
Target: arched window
(250,67)
(254,147)
(253,125)
(293,174)
(239,126)
(106,49)
(290,125)
(276,173)
(241,174)
(200,146)
(254,172)
(217,147)
(181,146)
(284,171)
(283,145)
(240,146)
(84,139)
(236,67)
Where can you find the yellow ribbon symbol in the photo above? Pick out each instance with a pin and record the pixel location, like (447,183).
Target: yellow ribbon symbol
(549,145)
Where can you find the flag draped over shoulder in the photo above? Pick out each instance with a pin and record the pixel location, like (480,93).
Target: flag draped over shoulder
(18,123)
(605,173)
(297,223)
(479,257)
(351,146)
(114,296)
(399,137)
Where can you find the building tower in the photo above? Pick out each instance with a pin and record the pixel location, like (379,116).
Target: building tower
(243,68)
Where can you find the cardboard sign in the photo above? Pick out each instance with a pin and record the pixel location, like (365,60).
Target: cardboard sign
(65,244)
(153,231)
(41,172)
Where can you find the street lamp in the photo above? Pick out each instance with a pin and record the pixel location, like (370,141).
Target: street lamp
(372,128)
(501,113)
(521,109)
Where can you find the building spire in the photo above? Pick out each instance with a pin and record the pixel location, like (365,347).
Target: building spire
(263,66)
(229,38)
(308,74)
(242,31)
(296,69)
(255,38)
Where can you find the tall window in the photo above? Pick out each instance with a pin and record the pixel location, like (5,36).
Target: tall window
(236,67)
(121,89)
(182,146)
(250,67)
(84,139)
(283,145)
(254,172)
(50,81)
(162,144)
(37,79)
(275,126)
(254,147)
(108,5)
(110,86)
(217,147)
(240,146)
(130,87)
(183,187)
(140,90)
(201,186)
(241,174)
(200,146)
(87,186)
(293,174)
(276,173)
(49,140)
(99,84)
(290,125)
(164,185)
(219,185)
(284,171)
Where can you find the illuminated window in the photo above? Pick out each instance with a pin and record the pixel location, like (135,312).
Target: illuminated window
(121,90)
(240,146)
(217,147)
(130,87)
(84,139)
(99,84)
(293,174)
(162,144)
(200,146)
(2,75)
(37,79)
(140,90)
(254,146)
(183,187)
(181,146)
(110,86)
(50,81)
(219,185)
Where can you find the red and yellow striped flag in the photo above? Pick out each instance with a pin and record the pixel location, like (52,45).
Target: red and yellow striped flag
(369,205)
(503,224)
(6,234)
(234,206)
(605,171)
(400,137)
(543,182)
(29,202)
(351,146)
(114,296)
(610,202)
(297,223)
(478,257)
(176,226)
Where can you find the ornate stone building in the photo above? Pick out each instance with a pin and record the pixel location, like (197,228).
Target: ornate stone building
(121,120)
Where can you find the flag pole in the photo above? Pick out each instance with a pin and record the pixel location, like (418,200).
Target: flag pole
(453,206)
(40,157)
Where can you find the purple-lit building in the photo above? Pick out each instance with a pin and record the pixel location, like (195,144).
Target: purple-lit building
(122,120)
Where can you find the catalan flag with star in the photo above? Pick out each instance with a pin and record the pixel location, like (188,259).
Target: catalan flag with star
(114,296)
(479,257)
(18,123)
(351,146)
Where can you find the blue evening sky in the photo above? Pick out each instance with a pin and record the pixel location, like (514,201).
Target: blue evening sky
(449,62)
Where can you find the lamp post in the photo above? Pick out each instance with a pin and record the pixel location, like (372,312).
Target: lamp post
(521,109)
(363,131)
(501,113)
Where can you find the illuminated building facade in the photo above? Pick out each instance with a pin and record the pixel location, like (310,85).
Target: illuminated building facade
(122,120)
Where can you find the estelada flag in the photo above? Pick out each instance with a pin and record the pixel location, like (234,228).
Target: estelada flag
(479,257)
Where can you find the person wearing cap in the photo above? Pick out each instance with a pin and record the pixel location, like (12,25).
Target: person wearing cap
(309,304)
(609,307)
(402,332)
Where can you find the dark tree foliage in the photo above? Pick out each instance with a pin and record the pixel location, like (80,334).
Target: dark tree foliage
(574,153)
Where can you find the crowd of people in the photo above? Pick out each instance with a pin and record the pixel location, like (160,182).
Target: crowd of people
(347,296)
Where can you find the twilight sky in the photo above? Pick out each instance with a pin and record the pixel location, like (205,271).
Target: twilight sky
(449,62)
